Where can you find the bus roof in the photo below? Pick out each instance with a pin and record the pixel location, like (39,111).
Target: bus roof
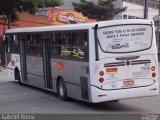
(80,26)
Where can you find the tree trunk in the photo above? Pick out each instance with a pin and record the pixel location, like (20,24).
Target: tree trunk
(2,46)
(9,22)
(3,61)
(4,26)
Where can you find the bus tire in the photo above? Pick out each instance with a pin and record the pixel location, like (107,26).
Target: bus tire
(61,89)
(17,77)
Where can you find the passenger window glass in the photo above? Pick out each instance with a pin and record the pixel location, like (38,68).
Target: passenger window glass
(54,40)
(8,43)
(80,46)
(65,52)
(13,44)
(34,45)
(61,45)
(64,38)
(70,45)
(80,39)
(55,51)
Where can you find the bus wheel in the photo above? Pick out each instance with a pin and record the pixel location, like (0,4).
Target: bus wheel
(61,90)
(17,77)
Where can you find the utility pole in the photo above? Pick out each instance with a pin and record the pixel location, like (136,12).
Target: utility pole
(158,27)
(145,9)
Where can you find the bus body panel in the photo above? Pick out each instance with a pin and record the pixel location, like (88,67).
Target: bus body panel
(111,74)
(117,74)
(76,81)
(35,73)
(62,68)
(81,77)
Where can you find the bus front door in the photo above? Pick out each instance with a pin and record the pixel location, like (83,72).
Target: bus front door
(47,64)
(23,59)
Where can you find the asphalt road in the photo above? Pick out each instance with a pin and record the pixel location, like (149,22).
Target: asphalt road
(26,99)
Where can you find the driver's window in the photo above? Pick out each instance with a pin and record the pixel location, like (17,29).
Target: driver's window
(7,43)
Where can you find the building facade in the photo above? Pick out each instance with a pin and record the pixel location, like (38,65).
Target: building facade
(25,20)
(135,8)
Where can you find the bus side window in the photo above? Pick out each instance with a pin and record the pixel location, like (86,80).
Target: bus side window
(64,38)
(38,45)
(15,44)
(12,44)
(80,46)
(7,44)
(54,47)
(64,48)
(34,47)
(54,40)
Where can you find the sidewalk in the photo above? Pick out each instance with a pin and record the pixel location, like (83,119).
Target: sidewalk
(3,74)
(2,69)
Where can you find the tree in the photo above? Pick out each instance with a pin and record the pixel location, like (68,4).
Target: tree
(103,10)
(49,3)
(9,9)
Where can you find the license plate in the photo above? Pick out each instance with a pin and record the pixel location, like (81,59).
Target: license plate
(128,82)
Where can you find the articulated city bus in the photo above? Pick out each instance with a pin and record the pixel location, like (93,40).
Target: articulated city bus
(92,62)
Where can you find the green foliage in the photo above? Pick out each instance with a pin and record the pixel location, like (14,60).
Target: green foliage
(49,3)
(10,8)
(103,10)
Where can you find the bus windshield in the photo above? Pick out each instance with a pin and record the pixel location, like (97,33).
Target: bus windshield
(125,38)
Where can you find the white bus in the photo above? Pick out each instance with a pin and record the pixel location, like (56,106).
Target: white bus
(93,62)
